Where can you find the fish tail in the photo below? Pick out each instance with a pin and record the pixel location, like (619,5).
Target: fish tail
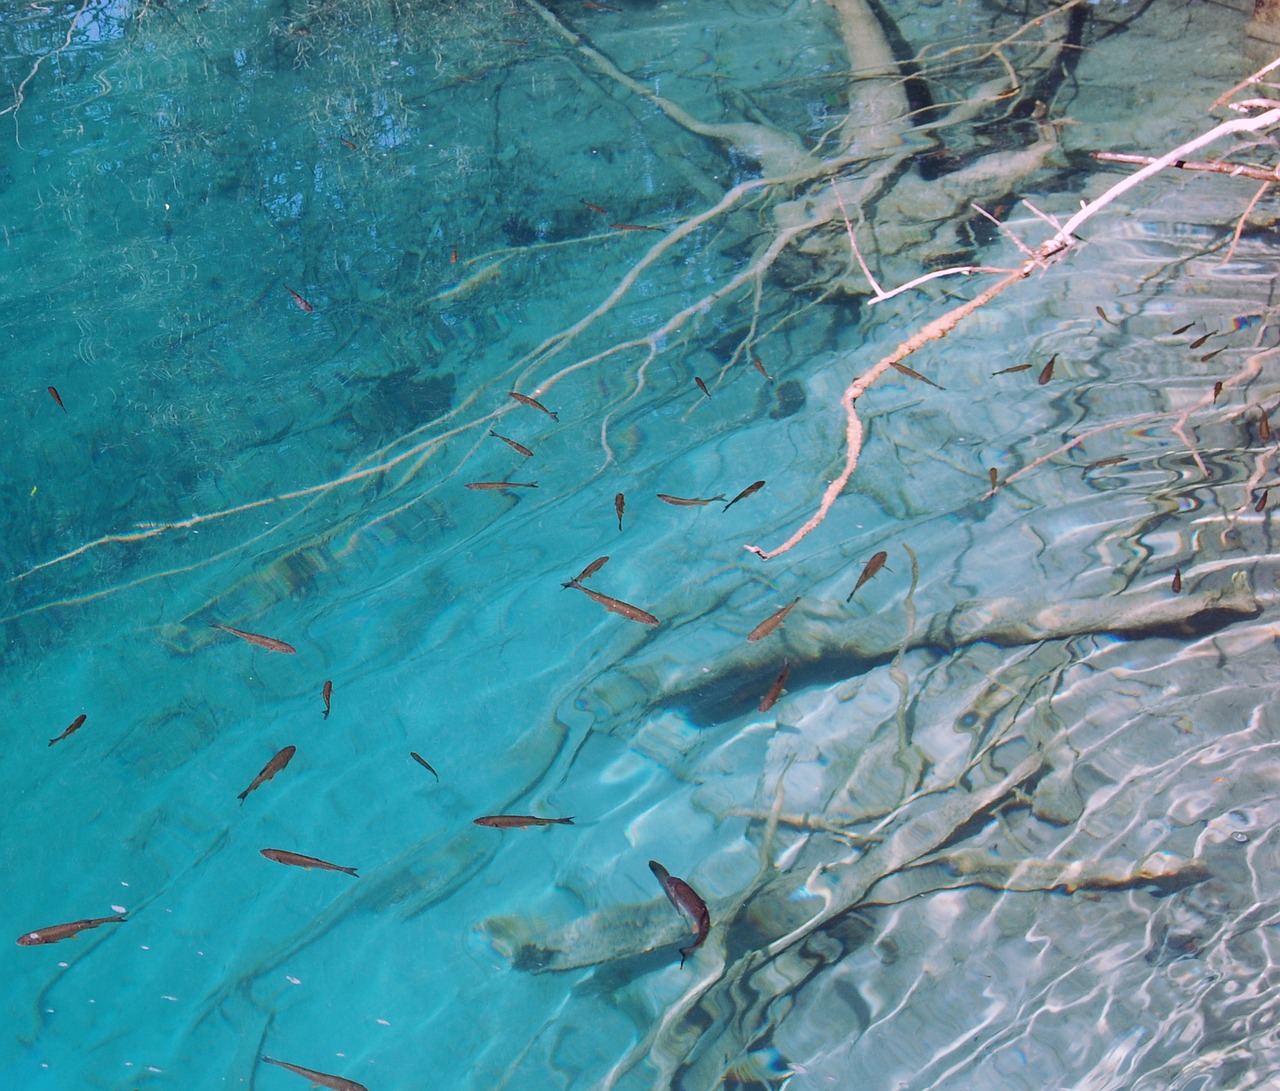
(350,871)
(563,821)
(720,497)
(555,417)
(326,713)
(119,918)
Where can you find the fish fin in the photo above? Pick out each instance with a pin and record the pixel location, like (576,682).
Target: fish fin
(564,821)
(350,871)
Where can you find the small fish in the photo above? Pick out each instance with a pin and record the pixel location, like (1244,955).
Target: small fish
(1264,428)
(1201,340)
(453,256)
(1262,501)
(1176,586)
(519,821)
(992,476)
(702,386)
(588,572)
(423,762)
(1210,355)
(877,561)
(76,724)
(617,606)
(268,642)
(533,403)
(591,5)
(688,501)
(53,393)
(1103,315)
(594,208)
(502,485)
(755,486)
(299,300)
(1047,373)
(687,903)
(773,621)
(1217,389)
(619,505)
(775,691)
(519,447)
(634,227)
(56,932)
(318,1079)
(912,373)
(296,859)
(270,769)
(1182,329)
(760,368)
(1011,370)
(1114,460)
(325,693)
(348,143)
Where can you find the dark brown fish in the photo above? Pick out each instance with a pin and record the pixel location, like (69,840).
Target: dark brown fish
(318,1079)
(1047,373)
(688,903)
(992,476)
(1262,501)
(519,821)
(913,374)
(688,502)
(1201,340)
(1210,355)
(524,399)
(1217,389)
(1264,428)
(702,386)
(1103,315)
(760,368)
(617,606)
(326,692)
(268,642)
(775,691)
(302,303)
(594,208)
(423,762)
(76,724)
(270,769)
(619,505)
(56,932)
(502,485)
(588,572)
(772,622)
(755,486)
(520,447)
(53,393)
(1182,329)
(296,859)
(1012,370)
(877,560)
(1176,586)
(1114,460)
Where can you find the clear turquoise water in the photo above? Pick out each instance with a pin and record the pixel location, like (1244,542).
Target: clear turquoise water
(169,168)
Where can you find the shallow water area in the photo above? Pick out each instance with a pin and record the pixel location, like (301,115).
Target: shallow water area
(1000,814)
